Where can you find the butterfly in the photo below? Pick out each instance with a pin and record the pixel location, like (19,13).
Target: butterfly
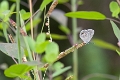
(86,35)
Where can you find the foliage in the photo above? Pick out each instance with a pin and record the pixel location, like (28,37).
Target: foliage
(28,48)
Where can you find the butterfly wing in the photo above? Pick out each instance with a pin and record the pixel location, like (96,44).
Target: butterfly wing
(86,35)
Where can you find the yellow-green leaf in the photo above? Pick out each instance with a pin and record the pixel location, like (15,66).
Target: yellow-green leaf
(116,30)
(91,15)
(44,3)
(105,45)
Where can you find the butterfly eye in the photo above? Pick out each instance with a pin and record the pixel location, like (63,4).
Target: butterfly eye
(86,35)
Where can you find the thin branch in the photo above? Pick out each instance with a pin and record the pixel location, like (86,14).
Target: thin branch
(31,24)
(24,4)
(31,16)
(113,20)
(34,1)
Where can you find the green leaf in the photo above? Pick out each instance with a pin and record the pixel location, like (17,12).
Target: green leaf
(22,23)
(52,47)
(35,23)
(25,15)
(22,11)
(50,58)
(4,6)
(60,71)
(41,38)
(6,12)
(57,36)
(113,6)
(40,48)
(17,70)
(92,15)
(10,49)
(62,1)
(31,43)
(116,30)
(105,45)
(57,66)
(115,13)
(64,29)
(12,8)
(5,26)
(44,3)
(51,51)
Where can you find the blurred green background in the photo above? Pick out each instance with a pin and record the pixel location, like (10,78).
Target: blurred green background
(92,59)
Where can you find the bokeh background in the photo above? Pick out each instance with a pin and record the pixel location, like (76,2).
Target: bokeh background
(91,58)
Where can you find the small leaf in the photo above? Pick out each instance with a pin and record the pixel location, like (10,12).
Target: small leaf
(116,30)
(115,13)
(51,51)
(10,49)
(35,22)
(22,23)
(4,5)
(31,43)
(58,65)
(51,57)
(12,8)
(5,26)
(58,72)
(92,15)
(41,38)
(44,4)
(22,11)
(58,37)
(113,6)
(105,45)
(17,70)
(52,47)
(6,12)
(64,29)
(40,48)
(25,15)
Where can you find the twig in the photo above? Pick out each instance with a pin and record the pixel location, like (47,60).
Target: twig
(113,20)
(24,4)
(54,4)
(118,2)
(31,24)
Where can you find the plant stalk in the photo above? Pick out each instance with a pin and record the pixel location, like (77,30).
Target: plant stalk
(36,74)
(18,32)
(75,53)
